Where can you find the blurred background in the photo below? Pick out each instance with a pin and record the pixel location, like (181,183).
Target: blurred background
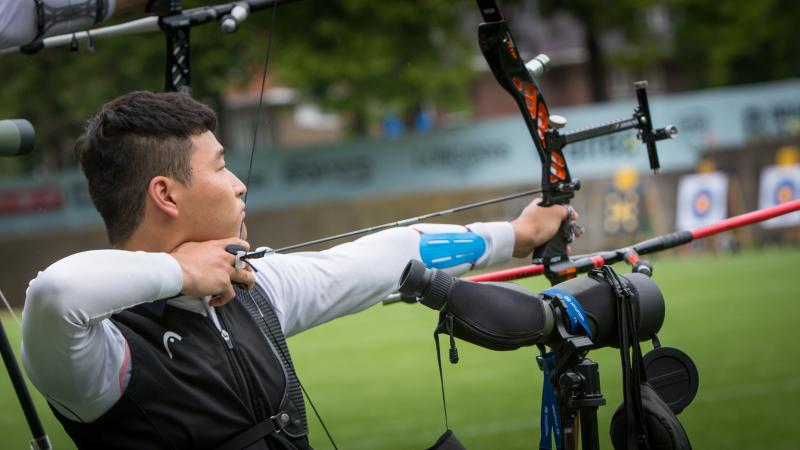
(377,111)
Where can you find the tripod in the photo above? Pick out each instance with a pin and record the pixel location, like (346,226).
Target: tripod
(577,390)
(40,440)
(579,397)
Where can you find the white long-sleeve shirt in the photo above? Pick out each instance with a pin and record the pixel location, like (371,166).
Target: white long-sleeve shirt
(80,360)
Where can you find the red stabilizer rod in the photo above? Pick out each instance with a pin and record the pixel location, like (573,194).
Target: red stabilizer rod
(587,263)
(510,274)
(746,219)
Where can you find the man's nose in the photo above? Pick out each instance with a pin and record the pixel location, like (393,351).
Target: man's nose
(238,186)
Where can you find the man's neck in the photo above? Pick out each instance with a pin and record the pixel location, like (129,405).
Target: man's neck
(150,239)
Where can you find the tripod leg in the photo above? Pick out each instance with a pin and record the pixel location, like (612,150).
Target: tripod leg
(571,427)
(579,400)
(589,436)
(40,439)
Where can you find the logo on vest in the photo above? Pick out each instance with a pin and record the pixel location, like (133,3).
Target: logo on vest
(170,337)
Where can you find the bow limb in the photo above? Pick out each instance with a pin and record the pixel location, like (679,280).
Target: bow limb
(501,53)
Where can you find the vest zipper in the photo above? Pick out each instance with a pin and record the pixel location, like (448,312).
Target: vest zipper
(233,359)
(227,338)
(236,364)
(212,315)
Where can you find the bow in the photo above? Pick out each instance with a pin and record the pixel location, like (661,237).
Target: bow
(519,80)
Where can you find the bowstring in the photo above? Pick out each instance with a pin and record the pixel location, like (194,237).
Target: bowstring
(250,172)
(258,110)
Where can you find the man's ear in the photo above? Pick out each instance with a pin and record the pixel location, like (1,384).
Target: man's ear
(162,193)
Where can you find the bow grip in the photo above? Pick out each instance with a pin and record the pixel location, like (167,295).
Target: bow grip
(555,250)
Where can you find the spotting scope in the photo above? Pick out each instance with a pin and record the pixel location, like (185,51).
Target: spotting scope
(506,316)
(16,137)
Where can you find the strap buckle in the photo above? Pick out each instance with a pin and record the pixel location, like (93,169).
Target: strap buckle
(257,432)
(281,420)
(288,424)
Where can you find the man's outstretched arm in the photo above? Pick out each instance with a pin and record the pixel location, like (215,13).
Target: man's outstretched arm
(310,288)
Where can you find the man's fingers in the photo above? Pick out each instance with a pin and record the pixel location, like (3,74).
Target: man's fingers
(243,277)
(570,213)
(223,297)
(233,247)
(227,295)
(208,268)
(236,241)
(217,300)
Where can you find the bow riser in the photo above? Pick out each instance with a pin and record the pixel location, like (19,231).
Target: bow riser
(500,51)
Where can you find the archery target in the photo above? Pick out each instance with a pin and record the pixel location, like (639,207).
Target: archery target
(702,200)
(785,191)
(701,204)
(780,184)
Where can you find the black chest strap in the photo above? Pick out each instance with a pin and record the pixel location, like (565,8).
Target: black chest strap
(253,437)
(261,310)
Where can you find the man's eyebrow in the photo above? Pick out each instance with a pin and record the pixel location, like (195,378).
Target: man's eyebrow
(220,153)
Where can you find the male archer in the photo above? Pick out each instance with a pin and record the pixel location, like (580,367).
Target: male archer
(160,341)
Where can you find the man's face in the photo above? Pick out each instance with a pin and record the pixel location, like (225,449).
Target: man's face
(212,205)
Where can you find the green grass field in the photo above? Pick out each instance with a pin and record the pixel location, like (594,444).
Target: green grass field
(373,376)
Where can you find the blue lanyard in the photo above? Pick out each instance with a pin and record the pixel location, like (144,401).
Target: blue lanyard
(550,419)
(575,312)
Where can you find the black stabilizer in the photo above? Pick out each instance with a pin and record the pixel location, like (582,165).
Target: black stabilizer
(663,242)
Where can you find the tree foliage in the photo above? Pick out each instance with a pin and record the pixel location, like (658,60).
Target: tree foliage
(714,43)
(366,58)
(352,55)
(371,58)
(57,89)
(737,41)
(603,17)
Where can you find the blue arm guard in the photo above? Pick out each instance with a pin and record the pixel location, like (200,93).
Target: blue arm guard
(443,250)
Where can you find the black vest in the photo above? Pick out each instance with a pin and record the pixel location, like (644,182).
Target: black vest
(193,387)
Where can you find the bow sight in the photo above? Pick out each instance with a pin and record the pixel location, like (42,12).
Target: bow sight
(640,121)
